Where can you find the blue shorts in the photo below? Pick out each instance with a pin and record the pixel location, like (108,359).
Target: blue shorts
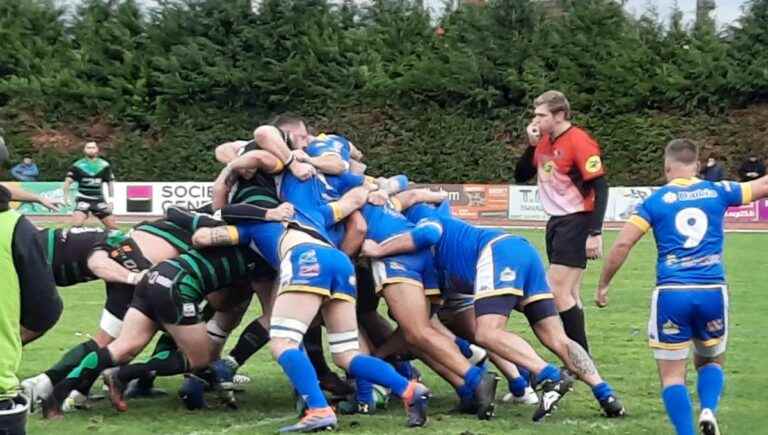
(416,268)
(681,314)
(510,265)
(318,269)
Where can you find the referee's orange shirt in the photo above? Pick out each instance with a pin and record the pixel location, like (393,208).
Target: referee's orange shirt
(563,165)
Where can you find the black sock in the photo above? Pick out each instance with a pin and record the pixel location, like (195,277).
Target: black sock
(313,344)
(253,338)
(575,328)
(70,360)
(167,363)
(85,374)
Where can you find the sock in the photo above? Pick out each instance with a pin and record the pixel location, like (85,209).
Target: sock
(364,392)
(253,338)
(549,372)
(575,329)
(471,380)
(524,373)
(86,372)
(602,391)
(463,347)
(378,372)
(313,344)
(405,368)
(679,408)
(710,386)
(517,386)
(300,372)
(167,363)
(70,360)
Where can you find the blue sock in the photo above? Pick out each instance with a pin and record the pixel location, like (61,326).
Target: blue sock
(602,391)
(377,371)
(679,408)
(524,373)
(463,347)
(302,375)
(517,386)
(364,392)
(549,372)
(710,385)
(471,380)
(405,368)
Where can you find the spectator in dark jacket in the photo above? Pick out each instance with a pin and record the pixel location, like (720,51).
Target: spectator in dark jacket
(751,169)
(712,170)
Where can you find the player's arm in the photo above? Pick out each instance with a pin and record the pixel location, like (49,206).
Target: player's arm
(756,189)
(19,194)
(426,233)
(271,139)
(229,151)
(68,180)
(356,228)
(406,199)
(393,185)
(228,235)
(110,183)
(109,270)
(633,231)
(525,169)
(594,244)
(41,305)
(355,153)
(328,163)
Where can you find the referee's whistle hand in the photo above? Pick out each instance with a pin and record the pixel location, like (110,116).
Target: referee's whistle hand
(594,247)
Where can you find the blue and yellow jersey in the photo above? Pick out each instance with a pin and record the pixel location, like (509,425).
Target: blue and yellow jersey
(312,211)
(687,217)
(335,185)
(384,222)
(460,245)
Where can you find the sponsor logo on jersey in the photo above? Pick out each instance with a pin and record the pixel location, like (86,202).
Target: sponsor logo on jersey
(715,325)
(394,265)
(308,257)
(697,194)
(594,164)
(669,197)
(309,270)
(188,309)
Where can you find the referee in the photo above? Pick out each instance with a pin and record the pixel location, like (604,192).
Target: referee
(574,193)
(29,304)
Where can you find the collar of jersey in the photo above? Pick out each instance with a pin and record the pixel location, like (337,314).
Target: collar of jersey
(684,181)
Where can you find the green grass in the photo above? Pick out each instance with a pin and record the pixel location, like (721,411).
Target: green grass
(617,337)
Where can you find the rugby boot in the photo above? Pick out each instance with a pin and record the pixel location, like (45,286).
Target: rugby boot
(314,420)
(551,393)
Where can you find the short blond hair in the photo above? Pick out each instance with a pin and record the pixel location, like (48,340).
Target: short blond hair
(555,101)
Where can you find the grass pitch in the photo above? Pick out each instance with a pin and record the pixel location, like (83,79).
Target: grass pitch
(617,337)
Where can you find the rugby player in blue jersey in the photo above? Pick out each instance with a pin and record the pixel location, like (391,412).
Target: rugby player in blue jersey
(690,303)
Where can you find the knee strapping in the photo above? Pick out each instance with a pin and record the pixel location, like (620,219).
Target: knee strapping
(344,342)
(291,329)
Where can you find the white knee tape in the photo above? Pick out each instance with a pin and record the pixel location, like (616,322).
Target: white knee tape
(344,341)
(110,324)
(282,327)
(216,334)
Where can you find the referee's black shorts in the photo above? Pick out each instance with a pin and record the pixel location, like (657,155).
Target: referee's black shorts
(567,239)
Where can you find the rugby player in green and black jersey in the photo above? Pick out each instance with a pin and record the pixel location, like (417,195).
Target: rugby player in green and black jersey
(90,173)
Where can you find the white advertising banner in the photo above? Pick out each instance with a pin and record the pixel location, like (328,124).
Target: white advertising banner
(154,198)
(524,203)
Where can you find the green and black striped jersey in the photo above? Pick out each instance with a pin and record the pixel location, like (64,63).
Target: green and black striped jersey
(178,237)
(90,174)
(217,268)
(67,251)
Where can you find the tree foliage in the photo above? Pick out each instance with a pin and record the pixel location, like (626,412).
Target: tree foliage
(441,99)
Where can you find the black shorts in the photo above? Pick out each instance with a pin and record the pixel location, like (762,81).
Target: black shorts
(97,207)
(567,239)
(119,297)
(504,304)
(367,299)
(159,296)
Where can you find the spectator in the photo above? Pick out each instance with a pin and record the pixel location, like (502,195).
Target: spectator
(713,170)
(751,169)
(26,170)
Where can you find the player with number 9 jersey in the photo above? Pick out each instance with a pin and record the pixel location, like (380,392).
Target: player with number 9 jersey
(687,217)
